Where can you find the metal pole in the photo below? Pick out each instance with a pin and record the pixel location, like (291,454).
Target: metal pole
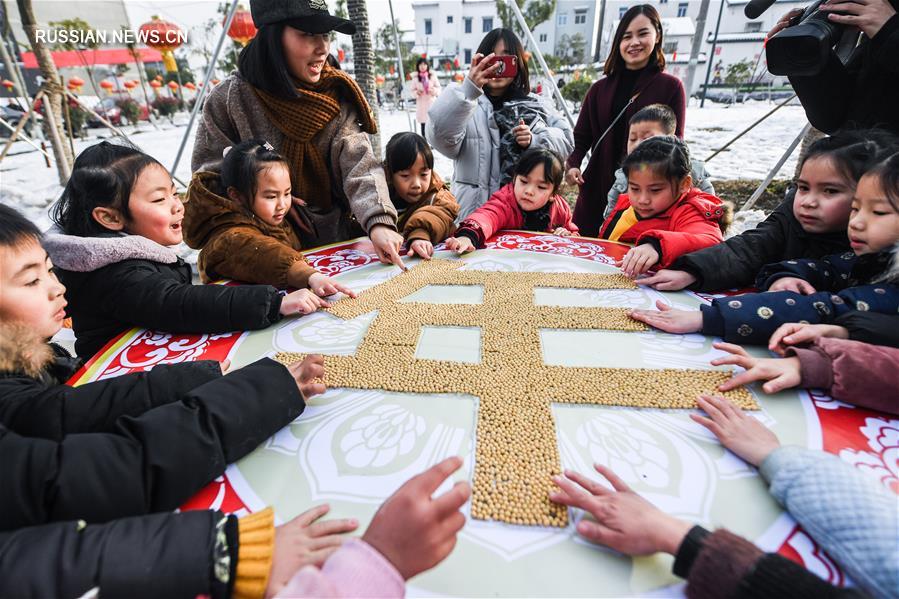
(540,60)
(764,184)
(201,94)
(399,62)
(697,45)
(711,57)
(597,55)
(750,127)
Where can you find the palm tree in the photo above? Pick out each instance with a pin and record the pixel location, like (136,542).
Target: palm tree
(363,63)
(54,96)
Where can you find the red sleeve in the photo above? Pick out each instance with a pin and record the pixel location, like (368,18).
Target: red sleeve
(562,216)
(690,230)
(491,217)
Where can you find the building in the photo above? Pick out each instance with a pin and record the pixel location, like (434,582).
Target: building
(452,29)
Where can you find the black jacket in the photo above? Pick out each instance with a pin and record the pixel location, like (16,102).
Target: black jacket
(142,442)
(735,262)
(871,327)
(115,283)
(864,93)
(161,555)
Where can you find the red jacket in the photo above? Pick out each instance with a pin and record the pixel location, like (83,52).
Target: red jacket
(690,224)
(502,212)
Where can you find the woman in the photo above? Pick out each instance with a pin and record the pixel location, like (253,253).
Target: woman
(286,92)
(485,123)
(425,87)
(634,79)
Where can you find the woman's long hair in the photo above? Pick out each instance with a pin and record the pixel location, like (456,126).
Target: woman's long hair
(522,81)
(261,63)
(614,62)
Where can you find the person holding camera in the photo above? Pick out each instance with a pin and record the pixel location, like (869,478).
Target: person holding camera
(486,122)
(864,92)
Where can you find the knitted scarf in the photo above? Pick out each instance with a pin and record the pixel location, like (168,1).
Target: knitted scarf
(301,119)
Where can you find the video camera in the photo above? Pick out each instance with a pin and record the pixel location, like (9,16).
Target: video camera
(803,48)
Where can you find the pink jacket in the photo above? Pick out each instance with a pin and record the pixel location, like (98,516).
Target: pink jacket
(859,373)
(354,570)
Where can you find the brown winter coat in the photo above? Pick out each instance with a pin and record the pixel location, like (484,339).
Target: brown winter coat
(233,243)
(432,217)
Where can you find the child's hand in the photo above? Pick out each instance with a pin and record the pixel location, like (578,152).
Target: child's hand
(794,333)
(522,134)
(670,320)
(573,177)
(301,302)
(562,232)
(412,530)
(638,260)
(668,280)
(225,365)
(624,521)
(780,374)
(323,285)
(460,245)
(308,373)
(387,244)
(792,284)
(742,434)
(421,247)
(304,542)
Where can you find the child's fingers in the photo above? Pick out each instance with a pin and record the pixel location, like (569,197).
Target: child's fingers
(575,496)
(452,500)
(662,306)
(313,514)
(325,542)
(613,478)
(737,360)
(344,289)
(732,348)
(738,380)
(710,408)
(332,527)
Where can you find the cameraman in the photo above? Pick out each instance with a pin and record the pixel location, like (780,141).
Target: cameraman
(864,92)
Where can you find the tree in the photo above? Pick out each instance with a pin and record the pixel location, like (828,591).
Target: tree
(363,63)
(573,48)
(738,73)
(385,50)
(54,97)
(536,12)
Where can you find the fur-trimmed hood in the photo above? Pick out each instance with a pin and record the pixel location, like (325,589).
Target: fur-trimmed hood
(22,351)
(87,254)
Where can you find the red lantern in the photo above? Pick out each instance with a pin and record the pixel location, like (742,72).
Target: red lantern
(380,80)
(341,55)
(155,84)
(456,63)
(164,37)
(107,85)
(242,28)
(129,85)
(215,81)
(173,85)
(75,84)
(7,84)
(158,77)
(189,85)
(458,77)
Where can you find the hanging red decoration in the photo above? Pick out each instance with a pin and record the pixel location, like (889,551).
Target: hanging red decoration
(242,28)
(165,37)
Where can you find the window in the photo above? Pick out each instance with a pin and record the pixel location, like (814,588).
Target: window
(580,16)
(663,1)
(467,55)
(562,19)
(682,9)
(669,47)
(428,27)
(487,24)
(542,38)
(753,27)
(621,11)
(467,21)
(449,19)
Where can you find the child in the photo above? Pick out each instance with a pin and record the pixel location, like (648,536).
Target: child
(117,217)
(854,519)
(809,223)
(653,121)
(243,223)
(662,213)
(814,291)
(425,208)
(530,202)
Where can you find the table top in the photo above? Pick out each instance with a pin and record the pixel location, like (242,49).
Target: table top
(352,448)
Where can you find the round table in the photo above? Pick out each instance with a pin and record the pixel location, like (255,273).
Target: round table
(352,448)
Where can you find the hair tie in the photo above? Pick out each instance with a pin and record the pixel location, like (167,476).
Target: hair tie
(268,146)
(226,150)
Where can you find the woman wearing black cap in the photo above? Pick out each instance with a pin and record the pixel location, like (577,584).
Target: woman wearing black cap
(285,92)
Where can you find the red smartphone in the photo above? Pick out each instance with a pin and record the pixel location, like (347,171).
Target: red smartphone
(507,69)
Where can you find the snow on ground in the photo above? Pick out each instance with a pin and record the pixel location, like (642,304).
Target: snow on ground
(29,185)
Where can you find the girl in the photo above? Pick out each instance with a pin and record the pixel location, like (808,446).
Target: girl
(662,213)
(814,291)
(425,207)
(241,222)
(462,118)
(809,223)
(425,87)
(117,218)
(530,202)
(635,78)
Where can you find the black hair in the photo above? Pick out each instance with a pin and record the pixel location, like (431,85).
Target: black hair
(15,229)
(243,163)
(261,63)
(422,60)
(666,155)
(656,113)
(403,150)
(103,176)
(553,167)
(614,62)
(522,81)
(853,152)
(887,174)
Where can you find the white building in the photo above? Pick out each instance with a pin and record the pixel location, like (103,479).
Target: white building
(449,30)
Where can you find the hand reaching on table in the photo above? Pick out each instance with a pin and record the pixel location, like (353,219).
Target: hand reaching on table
(779,374)
(303,301)
(736,430)
(460,245)
(308,373)
(669,319)
(323,286)
(638,260)
(668,280)
(795,333)
(422,248)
